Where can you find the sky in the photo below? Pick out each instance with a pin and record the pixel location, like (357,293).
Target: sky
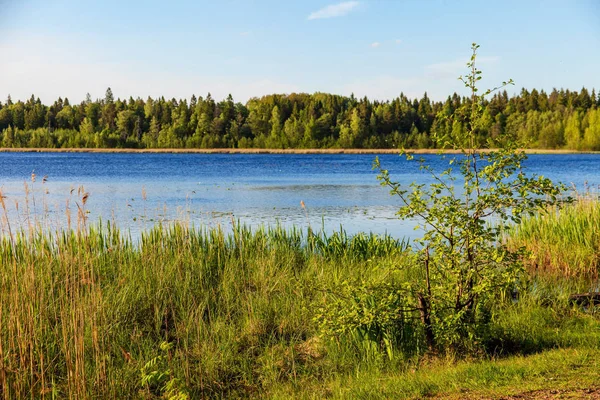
(67,48)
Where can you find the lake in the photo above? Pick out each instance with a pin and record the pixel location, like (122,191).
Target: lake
(138,190)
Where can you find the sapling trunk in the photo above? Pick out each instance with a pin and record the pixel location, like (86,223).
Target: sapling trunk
(425,307)
(425,311)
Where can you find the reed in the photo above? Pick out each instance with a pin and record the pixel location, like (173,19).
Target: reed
(195,312)
(563,243)
(82,312)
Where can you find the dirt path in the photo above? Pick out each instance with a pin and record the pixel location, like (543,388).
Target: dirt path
(550,394)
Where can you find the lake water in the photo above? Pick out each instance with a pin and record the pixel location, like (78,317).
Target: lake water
(138,190)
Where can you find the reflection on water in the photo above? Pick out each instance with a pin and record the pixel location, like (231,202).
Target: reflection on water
(137,191)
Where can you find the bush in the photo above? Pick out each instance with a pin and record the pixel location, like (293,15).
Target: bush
(460,263)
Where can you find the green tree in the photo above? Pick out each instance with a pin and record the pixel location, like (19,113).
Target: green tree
(275,138)
(356,128)
(346,138)
(573,131)
(65,118)
(8,137)
(109,111)
(460,263)
(591,136)
(5,118)
(86,128)
(18,115)
(125,121)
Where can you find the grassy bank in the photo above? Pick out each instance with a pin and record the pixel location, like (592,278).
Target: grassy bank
(204,314)
(558,373)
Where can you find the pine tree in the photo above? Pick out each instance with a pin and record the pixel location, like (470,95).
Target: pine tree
(108,96)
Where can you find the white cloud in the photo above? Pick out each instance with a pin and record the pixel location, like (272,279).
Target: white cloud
(334,10)
(398,41)
(245,33)
(375,44)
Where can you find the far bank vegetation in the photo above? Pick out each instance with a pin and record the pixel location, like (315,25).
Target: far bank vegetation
(561,119)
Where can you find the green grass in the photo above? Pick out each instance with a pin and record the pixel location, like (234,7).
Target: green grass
(213,315)
(565,243)
(81,314)
(551,370)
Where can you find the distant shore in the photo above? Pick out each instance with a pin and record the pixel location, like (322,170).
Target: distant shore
(269,151)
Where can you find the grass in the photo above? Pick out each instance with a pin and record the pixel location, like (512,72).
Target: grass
(199,313)
(83,313)
(551,370)
(565,243)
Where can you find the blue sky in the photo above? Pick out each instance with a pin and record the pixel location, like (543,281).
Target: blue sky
(249,48)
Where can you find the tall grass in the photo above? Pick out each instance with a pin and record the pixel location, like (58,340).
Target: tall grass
(565,243)
(87,313)
(83,313)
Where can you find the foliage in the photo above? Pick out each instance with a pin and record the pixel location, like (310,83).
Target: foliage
(462,262)
(374,315)
(559,119)
(157,378)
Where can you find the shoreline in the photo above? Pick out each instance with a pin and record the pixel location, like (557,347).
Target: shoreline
(268,151)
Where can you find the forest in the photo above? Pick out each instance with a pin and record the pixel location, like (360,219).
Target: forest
(561,119)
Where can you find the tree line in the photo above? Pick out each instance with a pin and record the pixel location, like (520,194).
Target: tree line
(561,119)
